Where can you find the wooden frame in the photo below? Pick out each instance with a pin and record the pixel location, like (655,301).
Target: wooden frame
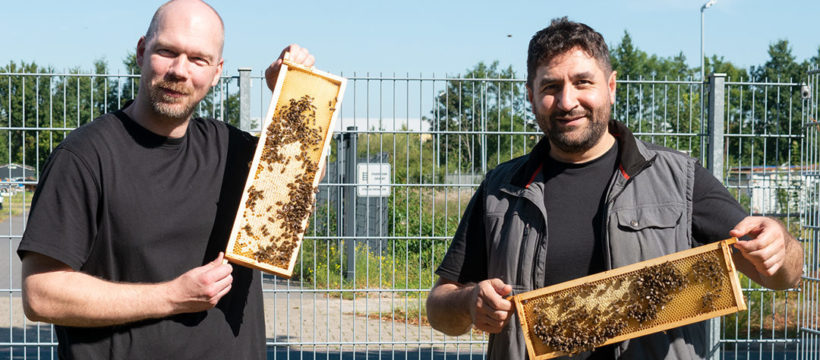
(537,350)
(251,237)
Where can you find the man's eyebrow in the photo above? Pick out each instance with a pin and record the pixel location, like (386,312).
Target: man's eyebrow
(546,79)
(583,75)
(549,79)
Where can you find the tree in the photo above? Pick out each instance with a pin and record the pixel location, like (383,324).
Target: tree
(484,118)
(46,107)
(770,115)
(131,83)
(717,64)
(653,97)
(781,65)
(24,106)
(629,61)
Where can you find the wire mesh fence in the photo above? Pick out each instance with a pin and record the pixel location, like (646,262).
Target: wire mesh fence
(406,157)
(809,312)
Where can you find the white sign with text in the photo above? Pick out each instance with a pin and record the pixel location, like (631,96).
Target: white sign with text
(373,179)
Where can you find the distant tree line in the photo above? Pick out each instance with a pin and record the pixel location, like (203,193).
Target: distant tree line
(654,94)
(45,99)
(479,120)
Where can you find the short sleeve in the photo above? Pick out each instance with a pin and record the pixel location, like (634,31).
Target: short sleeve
(466,259)
(714,210)
(63,220)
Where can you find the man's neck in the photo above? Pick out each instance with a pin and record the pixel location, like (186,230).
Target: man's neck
(141,112)
(599,149)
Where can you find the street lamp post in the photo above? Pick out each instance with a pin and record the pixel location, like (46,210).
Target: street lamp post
(713,334)
(703,8)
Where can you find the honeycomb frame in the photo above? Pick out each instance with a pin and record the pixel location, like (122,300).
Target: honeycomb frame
(279,194)
(616,305)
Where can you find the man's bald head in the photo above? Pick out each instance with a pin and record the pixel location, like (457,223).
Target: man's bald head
(177,7)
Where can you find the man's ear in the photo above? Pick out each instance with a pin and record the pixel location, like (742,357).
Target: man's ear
(140,50)
(612,84)
(218,72)
(529,93)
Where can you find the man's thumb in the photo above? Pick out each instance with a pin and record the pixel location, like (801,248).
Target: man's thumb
(500,287)
(742,228)
(219,259)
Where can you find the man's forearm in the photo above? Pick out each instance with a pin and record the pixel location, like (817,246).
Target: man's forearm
(447,308)
(76,299)
(54,292)
(787,276)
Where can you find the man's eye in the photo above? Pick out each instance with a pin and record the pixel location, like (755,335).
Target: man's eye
(550,88)
(165,53)
(200,61)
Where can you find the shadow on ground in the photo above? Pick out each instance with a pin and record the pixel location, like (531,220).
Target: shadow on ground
(39,342)
(428,354)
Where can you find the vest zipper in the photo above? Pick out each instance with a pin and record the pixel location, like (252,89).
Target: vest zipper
(537,259)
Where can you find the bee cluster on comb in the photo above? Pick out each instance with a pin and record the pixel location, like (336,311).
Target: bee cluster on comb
(628,302)
(283,181)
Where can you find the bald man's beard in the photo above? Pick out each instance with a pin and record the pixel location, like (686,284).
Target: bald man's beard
(176,108)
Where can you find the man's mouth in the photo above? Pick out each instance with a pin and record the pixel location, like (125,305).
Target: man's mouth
(571,120)
(173,93)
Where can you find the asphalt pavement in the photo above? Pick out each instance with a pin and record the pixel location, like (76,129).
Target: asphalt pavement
(11,230)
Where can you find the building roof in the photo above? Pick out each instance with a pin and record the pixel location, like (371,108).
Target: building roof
(9,172)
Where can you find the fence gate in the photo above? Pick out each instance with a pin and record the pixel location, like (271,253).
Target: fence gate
(810,237)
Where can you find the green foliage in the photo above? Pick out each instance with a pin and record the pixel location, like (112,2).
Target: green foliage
(633,63)
(17,204)
(412,155)
(483,100)
(42,107)
(653,97)
(769,314)
(131,84)
(814,61)
(420,221)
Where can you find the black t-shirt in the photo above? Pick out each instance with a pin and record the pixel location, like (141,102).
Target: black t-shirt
(574,197)
(121,203)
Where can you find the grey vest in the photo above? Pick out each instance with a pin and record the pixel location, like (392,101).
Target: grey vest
(649,214)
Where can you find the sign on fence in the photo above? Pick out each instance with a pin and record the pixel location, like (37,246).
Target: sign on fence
(373,179)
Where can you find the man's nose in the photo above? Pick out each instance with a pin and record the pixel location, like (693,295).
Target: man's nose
(179,67)
(567,98)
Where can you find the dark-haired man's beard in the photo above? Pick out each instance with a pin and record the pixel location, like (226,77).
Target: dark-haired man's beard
(575,139)
(179,107)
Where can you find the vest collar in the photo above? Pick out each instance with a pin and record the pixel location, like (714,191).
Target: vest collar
(630,159)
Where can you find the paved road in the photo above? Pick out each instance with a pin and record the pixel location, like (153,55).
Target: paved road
(10,231)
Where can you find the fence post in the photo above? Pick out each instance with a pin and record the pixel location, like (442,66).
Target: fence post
(717,92)
(349,213)
(245,99)
(714,160)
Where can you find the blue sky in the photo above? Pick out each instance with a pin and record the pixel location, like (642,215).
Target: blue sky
(416,37)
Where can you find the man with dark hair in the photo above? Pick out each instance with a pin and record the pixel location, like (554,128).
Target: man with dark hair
(122,251)
(590,197)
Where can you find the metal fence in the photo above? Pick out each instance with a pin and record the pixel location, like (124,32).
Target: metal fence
(809,319)
(407,155)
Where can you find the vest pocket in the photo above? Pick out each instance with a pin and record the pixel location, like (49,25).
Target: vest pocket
(646,232)
(664,216)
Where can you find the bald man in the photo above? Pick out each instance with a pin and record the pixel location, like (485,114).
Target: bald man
(122,248)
